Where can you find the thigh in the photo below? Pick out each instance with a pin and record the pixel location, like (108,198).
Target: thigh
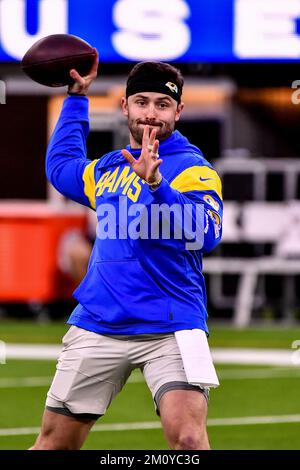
(181,406)
(164,372)
(60,432)
(91,370)
(183,416)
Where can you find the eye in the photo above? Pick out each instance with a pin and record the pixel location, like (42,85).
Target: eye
(140,103)
(163,105)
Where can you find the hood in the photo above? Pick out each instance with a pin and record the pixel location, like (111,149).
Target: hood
(176,144)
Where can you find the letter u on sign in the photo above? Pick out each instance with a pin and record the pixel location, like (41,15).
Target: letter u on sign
(14,38)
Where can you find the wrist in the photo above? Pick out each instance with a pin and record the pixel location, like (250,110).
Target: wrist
(155,184)
(73,93)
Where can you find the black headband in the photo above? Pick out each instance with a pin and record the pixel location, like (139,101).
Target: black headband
(138,85)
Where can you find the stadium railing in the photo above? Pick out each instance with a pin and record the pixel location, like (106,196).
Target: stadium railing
(258,222)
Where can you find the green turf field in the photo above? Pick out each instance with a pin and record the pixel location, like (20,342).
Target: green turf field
(246,392)
(23,386)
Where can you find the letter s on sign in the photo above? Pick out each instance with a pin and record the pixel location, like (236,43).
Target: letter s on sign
(151,29)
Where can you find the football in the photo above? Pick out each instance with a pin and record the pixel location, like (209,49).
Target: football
(50,59)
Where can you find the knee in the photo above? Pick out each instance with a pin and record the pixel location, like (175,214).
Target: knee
(191,441)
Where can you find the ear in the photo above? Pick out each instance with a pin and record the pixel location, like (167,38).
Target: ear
(179,111)
(124,105)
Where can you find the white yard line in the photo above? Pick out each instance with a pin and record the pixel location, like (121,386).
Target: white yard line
(250,374)
(246,420)
(21,382)
(242,421)
(32,351)
(268,357)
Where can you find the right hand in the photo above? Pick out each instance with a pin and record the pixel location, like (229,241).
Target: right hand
(82,84)
(146,166)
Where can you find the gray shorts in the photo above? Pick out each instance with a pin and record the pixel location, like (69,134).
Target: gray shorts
(92,369)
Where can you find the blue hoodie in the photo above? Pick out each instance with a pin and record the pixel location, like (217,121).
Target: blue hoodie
(137,284)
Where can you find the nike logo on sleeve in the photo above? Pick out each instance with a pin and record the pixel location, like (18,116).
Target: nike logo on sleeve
(205,179)
(198,178)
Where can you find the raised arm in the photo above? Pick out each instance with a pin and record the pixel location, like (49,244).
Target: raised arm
(67,166)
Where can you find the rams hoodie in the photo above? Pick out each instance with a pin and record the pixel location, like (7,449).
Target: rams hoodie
(145,270)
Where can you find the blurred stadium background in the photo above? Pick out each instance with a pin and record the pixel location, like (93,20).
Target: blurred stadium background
(240,59)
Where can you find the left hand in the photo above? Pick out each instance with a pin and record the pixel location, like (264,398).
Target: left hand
(147,166)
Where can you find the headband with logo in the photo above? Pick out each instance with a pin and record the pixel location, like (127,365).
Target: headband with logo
(144,84)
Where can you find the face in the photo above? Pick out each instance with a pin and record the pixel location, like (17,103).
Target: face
(159,111)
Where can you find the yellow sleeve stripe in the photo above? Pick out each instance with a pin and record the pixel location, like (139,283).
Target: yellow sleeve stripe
(198,178)
(89,183)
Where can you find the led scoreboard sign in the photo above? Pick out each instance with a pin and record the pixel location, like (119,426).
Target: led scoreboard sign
(171,30)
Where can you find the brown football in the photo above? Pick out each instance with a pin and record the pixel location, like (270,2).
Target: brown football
(50,59)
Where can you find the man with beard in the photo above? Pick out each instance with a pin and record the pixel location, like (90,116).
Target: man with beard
(142,303)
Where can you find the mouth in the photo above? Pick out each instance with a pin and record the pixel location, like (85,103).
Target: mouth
(150,125)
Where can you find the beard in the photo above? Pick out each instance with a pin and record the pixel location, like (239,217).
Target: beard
(163,129)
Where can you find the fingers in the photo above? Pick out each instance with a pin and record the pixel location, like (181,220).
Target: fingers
(150,143)
(152,137)
(94,69)
(145,141)
(155,147)
(156,165)
(79,85)
(93,73)
(76,77)
(82,84)
(153,151)
(149,140)
(127,155)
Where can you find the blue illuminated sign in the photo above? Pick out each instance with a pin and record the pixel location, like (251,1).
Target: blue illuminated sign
(171,30)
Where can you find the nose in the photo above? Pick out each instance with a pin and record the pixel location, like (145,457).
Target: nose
(150,111)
